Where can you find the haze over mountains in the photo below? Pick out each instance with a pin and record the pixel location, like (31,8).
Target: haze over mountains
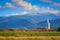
(29,21)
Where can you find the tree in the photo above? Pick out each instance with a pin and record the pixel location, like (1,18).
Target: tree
(9,29)
(58,29)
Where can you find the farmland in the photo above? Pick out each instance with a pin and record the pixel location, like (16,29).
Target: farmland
(16,35)
(29,34)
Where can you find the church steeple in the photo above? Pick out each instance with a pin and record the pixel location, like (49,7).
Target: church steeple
(48,25)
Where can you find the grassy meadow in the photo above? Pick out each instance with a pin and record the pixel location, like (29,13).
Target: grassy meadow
(12,35)
(29,34)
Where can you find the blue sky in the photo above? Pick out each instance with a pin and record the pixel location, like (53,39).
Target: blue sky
(23,7)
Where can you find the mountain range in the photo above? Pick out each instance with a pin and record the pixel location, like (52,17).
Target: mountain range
(29,21)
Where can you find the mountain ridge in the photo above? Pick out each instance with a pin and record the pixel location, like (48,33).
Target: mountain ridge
(29,21)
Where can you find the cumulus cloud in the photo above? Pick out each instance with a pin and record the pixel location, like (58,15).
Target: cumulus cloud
(13,14)
(25,5)
(55,11)
(9,5)
(0,6)
(48,10)
(23,13)
(28,6)
(56,4)
(35,8)
(51,2)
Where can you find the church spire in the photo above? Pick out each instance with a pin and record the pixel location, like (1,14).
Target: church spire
(48,24)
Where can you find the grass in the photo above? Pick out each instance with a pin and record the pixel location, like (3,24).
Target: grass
(29,34)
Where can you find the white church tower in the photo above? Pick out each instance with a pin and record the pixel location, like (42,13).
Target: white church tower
(48,25)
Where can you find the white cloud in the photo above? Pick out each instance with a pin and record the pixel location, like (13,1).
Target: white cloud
(25,5)
(23,13)
(56,4)
(20,4)
(0,6)
(55,11)
(48,10)
(35,8)
(44,10)
(13,14)
(28,6)
(52,3)
(9,5)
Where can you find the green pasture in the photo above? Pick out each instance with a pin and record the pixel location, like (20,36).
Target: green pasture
(22,34)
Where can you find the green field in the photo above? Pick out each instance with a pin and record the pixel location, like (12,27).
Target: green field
(30,34)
